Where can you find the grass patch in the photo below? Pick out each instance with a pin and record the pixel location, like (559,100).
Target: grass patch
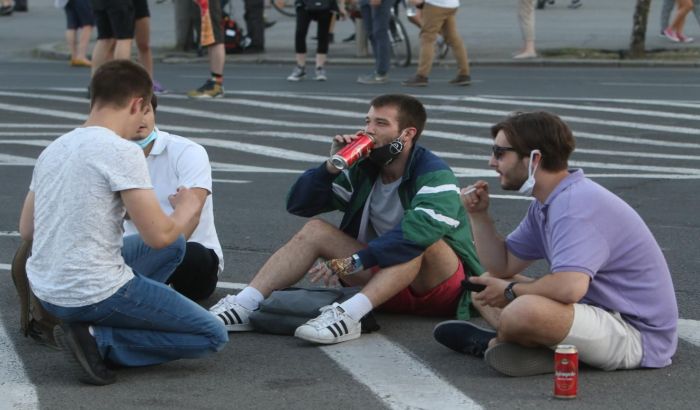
(684,54)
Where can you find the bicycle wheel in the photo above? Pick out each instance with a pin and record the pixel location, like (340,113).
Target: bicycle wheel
(400,45)
(285,7)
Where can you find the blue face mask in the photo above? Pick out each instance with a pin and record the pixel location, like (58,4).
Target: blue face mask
(144,142)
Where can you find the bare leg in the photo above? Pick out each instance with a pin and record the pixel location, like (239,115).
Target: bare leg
(422,274)
(291,262)
(122,50)
(320,60)
(142,36)
(102,53)
(70,40)
(217,58)
(301,59)
(84,41)
(532,321)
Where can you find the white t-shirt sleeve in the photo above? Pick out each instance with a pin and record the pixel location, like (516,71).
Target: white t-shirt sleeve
(125,167)
(193,168)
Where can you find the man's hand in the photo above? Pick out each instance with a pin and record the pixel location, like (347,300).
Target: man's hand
(493,294)
(332,270)
(475,198)
(322,270)
(186,197)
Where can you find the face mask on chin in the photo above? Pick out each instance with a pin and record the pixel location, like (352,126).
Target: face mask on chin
(529,184)
(143,143)
(384,155)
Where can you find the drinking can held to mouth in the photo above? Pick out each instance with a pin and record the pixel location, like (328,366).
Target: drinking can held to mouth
(565,372)
(353,151)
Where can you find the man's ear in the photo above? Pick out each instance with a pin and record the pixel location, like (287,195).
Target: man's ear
(136,106)
(408,134)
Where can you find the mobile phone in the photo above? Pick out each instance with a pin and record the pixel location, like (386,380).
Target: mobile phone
(474,287)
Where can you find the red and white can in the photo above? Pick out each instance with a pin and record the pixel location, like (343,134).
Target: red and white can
(565,372)
(353,151)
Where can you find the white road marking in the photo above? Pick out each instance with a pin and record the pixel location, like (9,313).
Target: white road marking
(9,233)
(396,377)
(689,330)
(231,181)
(16,390)
(661,103)
(231,285)
(7,267)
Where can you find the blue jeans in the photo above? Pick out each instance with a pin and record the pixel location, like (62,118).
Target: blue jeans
(376,22)
(146,322)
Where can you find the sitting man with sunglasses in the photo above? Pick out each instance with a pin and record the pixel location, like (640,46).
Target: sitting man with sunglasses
(608,290)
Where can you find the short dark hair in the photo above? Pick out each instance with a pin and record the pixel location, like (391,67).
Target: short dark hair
(118,81)
(154,103)
(528,131)
(411,112)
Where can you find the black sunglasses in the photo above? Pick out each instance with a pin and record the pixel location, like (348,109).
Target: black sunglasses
(498,151)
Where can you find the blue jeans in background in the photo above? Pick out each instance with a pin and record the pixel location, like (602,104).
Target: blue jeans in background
(146,322)
(376,22)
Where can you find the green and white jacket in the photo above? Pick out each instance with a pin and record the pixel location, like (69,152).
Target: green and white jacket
(429,196)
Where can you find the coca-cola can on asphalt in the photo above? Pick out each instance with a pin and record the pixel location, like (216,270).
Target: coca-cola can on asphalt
(355,150)
(565,372)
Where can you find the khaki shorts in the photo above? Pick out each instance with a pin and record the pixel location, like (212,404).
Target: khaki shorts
(603,339)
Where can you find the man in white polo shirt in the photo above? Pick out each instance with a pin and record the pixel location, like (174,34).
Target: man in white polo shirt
(174,161)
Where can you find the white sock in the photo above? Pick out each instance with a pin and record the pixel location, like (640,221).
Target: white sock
(249,298)
(357,306)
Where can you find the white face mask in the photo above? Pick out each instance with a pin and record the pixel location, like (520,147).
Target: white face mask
(529,184)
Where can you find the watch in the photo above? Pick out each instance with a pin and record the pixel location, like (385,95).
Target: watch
(509,293)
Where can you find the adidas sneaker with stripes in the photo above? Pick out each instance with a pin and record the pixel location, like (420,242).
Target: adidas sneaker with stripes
(333,325)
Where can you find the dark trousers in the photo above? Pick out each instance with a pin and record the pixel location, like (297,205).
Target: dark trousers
(197,274)
(254,22)
(323,18)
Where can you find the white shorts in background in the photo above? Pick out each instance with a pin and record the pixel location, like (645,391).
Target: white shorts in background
(603,339)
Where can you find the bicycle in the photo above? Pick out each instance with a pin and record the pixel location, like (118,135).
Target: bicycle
(400,44)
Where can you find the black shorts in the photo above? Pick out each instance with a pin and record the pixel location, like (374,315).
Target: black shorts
(114,18)
(79,14)
(141,9)
(217,21)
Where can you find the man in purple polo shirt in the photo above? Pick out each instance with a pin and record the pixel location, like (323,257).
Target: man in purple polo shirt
(608,290)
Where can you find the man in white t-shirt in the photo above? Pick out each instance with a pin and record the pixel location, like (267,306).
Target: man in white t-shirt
(174,161)
(112,301)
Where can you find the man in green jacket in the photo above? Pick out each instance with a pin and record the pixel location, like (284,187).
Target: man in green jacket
(404,237)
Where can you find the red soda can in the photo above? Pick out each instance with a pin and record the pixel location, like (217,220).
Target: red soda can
(565,372)
(353,151)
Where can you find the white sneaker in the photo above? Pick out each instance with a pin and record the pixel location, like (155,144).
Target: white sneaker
(320,74)
(297,74)
(333,325)
(234,316)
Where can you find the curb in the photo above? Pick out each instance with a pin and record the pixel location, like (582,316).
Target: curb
(52,51)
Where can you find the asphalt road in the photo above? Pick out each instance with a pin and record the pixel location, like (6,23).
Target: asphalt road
(637,133)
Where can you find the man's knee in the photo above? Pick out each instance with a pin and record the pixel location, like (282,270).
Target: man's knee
(520,314)
(315,228)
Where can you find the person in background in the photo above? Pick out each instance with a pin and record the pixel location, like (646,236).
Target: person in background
(216,51)
(323,21)
(674,32)
(79,19)
(439,17)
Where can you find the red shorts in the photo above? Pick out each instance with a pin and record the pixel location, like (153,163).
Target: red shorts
(441,300)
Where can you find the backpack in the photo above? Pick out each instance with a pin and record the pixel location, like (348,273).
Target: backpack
(289,308)
(34,320)
(235,39)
